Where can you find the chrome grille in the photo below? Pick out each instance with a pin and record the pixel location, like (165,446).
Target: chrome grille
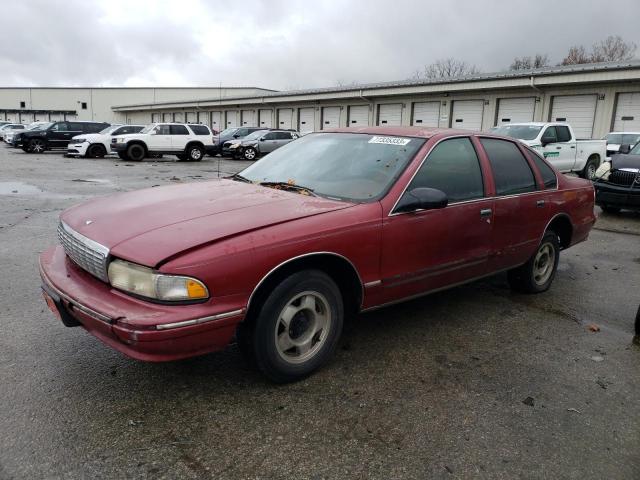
(87,254)
(622,177)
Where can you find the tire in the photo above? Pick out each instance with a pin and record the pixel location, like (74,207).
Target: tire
(297,327)
(136,152)
(123,155)
(538,273)
(36,146)
(609,209)
(589,170)
(250,153)
(96,151)
(194,153)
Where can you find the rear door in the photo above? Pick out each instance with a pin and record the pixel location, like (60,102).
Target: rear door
(520,210)
(268,143)
(180,135)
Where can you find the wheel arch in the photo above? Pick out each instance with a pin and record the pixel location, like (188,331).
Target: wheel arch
(138,142)
(561,224)
(339,268)
(192,143)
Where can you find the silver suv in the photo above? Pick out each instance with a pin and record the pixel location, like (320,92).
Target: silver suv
(260,142)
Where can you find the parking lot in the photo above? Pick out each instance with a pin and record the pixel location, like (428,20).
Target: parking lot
(473,382)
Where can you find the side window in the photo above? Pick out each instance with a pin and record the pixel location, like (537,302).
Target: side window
(78,127)
(563,133)
(550,133)
(548,175)
(270,136)
(242,132)
(511,170)
(162,130)
(179,130)
(60,127)
(453,167)
(283,136)
(200,129)
(120,131)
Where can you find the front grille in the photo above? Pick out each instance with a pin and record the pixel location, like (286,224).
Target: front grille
(621,177)
(84,252)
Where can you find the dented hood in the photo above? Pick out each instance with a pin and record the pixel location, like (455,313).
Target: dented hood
(151,225)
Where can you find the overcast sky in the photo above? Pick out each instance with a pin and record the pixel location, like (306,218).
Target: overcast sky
(285,44)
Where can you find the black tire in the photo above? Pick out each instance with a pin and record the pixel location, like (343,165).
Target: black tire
(123,155)
(96,151)
(36,146)
(257,339)
(194,153)
(589,170)
(250,153)
(136,152)
(527,278)
(610,209)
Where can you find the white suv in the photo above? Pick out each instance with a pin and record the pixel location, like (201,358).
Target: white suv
(96,145)
(185,141)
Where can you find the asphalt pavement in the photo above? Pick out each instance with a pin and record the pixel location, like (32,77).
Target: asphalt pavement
(473,382)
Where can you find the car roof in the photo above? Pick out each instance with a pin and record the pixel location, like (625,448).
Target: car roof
(423,132)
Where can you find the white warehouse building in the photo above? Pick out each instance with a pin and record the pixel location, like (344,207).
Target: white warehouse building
(593,98)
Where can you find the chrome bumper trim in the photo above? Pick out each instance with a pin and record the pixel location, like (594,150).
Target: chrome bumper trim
(197,321)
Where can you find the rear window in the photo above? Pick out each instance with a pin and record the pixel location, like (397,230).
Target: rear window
(511,170)
(563,133)
(200,129)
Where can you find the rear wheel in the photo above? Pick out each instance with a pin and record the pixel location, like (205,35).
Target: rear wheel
(136,152)
(297,328)
(194,153)
(96,151)
(36,146)
(589,170)
(536,275)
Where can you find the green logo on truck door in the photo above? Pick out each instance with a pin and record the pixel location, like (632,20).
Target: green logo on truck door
(551,154)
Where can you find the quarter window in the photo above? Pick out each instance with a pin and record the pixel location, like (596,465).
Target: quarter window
(548,175)
(179,130)
(453,167)
(283,136)
(511,170)
(270,136)
(200,129)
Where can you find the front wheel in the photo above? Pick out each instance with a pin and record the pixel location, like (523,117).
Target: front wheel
(96,151)
(136,152)
(298,327)
(36,146)
(250,153)
(536,275)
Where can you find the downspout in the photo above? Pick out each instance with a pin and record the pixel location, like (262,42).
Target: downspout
(541,95)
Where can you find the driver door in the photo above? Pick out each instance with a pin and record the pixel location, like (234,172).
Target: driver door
(430,249)
(59,134)
(161,140)
(559,152)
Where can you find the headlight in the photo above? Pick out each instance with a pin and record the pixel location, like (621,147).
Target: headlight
(78,140)
(234,145)
(118,140)
(146,282)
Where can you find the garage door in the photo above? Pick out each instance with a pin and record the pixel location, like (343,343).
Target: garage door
(231,119)
(330,117)
(248,118)
(12,117)
(178,117)
(390,114)
(513,110)
(203,118)
(167,117)
(467,114)
(156,117)
(41,117)
(579,111)
(190,117)
(26,118)
(306,120)
(358,116)
(285,118)
(216,121)
(627,113)
(426,114)
(266,118)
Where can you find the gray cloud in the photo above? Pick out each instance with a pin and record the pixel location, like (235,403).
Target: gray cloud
(282,43)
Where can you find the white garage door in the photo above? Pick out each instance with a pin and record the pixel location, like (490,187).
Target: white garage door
(285,118)
(358,116)
(178,117)
(26,118)
(306,120)
(156,117)
(167,117)
(190,117)
(203,118)
(266,118)
(579,111)
(41,117)
(248,118)
(513,110)
(390,114)
(627,113)
(231,119)
(426,114)
(11,117)
(216,121)
(330,117)
(467,114)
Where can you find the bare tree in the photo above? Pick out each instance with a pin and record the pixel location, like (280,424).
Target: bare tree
(577,54)
(527,63)
(445,68)
(611,49)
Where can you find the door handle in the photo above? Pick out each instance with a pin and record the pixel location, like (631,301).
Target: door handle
(540,203)
(573,146)
(558,148)
(485,212)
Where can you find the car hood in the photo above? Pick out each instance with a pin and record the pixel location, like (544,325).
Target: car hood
(151,225)
(88,136)
(625,161)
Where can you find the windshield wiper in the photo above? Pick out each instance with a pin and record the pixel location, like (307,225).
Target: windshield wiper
(289,186)
(240,178)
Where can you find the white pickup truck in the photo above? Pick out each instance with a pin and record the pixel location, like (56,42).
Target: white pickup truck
(559,145)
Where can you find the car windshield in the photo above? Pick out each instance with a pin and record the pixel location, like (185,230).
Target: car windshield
(521,132)
(635,150)
(255,135)
(346,166)
(228,131)
(623,138)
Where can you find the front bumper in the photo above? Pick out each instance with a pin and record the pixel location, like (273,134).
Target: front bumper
(620,196)
(77,148)
(140,329)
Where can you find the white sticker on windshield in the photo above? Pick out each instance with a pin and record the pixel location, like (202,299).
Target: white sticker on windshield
(390,140)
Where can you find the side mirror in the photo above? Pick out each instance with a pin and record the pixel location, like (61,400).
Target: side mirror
(624,148)
(262,139)
(422,199)
(547,140)
(236,136)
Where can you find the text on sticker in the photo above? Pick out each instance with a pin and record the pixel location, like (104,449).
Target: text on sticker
(390,140)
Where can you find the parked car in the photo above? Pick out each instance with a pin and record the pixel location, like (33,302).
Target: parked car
(15,138)
(616,139)
(94,145)
(559,145)
(617,182)
(334,223)
(259,142)
(230,134)
(185,141)
(10,127)
(57,135)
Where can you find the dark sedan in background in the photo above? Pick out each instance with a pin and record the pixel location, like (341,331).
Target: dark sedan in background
(617,182)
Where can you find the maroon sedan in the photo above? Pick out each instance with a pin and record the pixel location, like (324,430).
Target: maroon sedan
(332,224)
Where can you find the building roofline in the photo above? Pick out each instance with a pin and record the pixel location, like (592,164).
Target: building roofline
(218,87)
